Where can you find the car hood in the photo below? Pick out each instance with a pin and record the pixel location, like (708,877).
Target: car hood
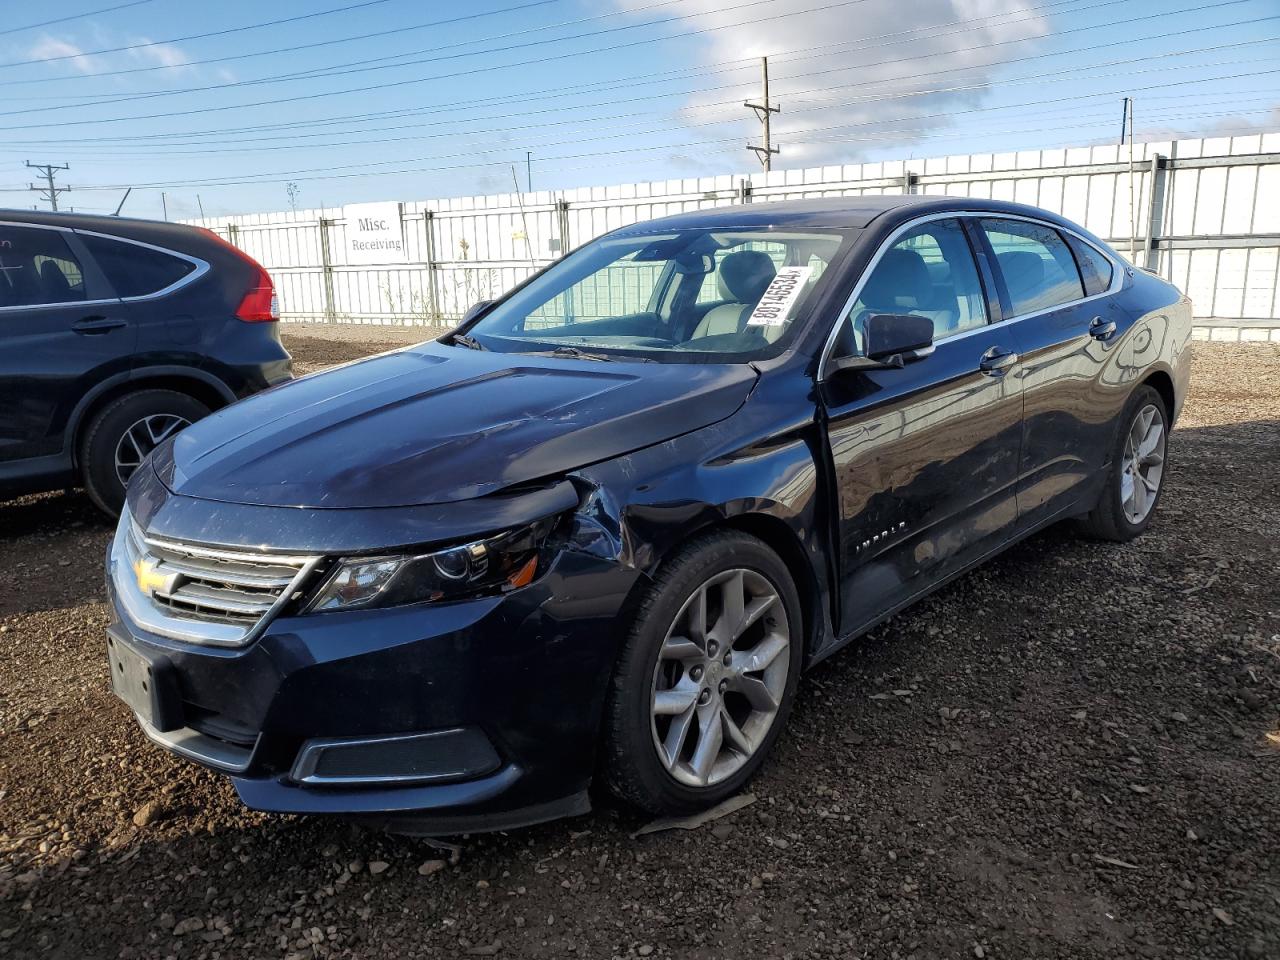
(437,424)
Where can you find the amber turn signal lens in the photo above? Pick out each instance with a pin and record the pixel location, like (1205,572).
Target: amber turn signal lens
(524,575)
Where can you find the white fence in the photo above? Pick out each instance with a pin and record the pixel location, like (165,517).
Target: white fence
(1207,217)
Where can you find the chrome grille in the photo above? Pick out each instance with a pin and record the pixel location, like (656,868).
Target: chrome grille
(198,593)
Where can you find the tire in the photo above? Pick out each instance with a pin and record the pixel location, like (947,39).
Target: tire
(148,417)
(1112,518)
(637,759)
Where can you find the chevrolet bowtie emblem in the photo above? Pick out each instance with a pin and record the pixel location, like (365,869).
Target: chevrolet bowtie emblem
(151,579)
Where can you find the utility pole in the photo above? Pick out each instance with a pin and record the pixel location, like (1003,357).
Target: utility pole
(1127,122)
(49,191)
(528,170)
(762,111)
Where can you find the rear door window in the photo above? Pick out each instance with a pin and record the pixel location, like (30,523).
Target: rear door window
(38,267)
(133,270)
(1036,263)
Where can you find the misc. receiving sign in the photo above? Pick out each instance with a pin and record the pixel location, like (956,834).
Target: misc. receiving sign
(774,308)
(374,234)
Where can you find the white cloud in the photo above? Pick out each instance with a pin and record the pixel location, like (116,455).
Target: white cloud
(871,58)
(160,54)
(62,51)
(1239,124)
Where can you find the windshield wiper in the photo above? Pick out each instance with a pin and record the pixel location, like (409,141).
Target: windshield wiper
(471,343)
(567,351)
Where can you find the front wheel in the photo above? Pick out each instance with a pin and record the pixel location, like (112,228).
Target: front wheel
(706,676)
(1137,473)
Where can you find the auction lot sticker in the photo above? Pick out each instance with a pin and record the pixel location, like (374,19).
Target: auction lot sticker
(774,308)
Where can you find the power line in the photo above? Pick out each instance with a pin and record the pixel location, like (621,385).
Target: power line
(871,87)
(359,67)
(277,177)
(74,16)
(648,78)
(396,31)
(200,36)
(1271,97)
(884,136)
(545,59)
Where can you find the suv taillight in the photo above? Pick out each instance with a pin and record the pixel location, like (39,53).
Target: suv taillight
(260,304)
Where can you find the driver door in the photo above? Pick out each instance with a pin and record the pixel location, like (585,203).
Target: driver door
(924,457)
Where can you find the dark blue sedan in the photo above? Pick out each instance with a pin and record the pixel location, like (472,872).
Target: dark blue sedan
(593,536)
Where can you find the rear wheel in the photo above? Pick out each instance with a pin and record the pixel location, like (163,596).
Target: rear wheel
(706,676)
(123,433)
(1136,479)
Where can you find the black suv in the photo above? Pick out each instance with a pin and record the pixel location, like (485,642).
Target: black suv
(115,334)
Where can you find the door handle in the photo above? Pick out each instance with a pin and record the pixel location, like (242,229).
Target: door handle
(996,361)
(89,326)
(1101,329)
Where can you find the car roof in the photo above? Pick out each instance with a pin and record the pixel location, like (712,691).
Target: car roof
(163,233)
(82,221)
(848,212)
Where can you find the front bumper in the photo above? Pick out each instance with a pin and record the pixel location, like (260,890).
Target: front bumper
(441,718)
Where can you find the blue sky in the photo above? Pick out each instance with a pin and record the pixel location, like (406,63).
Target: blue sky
(396,99)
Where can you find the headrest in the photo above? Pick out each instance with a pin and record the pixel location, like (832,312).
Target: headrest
(1023,271)
(745,275)
(899,274)
(56,287)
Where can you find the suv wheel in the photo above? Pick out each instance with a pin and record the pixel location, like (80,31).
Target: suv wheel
(1137,473)
(706,676)
(122,434)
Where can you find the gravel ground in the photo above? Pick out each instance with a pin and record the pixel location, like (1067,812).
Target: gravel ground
(1065,754)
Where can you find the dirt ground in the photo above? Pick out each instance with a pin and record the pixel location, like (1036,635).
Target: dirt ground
(1070,753)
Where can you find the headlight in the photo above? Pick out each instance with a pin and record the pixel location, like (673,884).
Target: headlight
(493,565)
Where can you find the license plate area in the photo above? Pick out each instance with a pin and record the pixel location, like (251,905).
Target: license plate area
(147,683)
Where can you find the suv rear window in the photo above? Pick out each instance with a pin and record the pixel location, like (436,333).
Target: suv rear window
(37,267)
(133,270)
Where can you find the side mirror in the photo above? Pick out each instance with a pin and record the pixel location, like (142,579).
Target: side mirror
(892,340)
(475,311)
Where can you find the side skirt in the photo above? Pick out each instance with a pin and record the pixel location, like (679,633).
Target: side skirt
(844,641)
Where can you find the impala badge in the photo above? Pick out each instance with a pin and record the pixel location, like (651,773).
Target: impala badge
(882,535)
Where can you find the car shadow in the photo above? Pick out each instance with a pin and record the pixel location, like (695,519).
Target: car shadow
(52,547)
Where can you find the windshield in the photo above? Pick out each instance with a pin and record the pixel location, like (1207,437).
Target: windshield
(699,294)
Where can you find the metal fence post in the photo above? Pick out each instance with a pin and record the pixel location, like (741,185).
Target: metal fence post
(429,250)
(562,225)
(744,190)
(909,181)
(326,270)
(233,234)
(1155,211)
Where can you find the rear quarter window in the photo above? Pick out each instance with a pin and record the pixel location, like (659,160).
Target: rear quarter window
(133,270)
(1096,269)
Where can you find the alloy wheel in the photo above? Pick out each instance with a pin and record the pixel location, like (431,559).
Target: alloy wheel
(143,437)
(720,677)
(1142,464)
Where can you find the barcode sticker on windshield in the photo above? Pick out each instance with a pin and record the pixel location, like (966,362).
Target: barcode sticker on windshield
(774,308)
